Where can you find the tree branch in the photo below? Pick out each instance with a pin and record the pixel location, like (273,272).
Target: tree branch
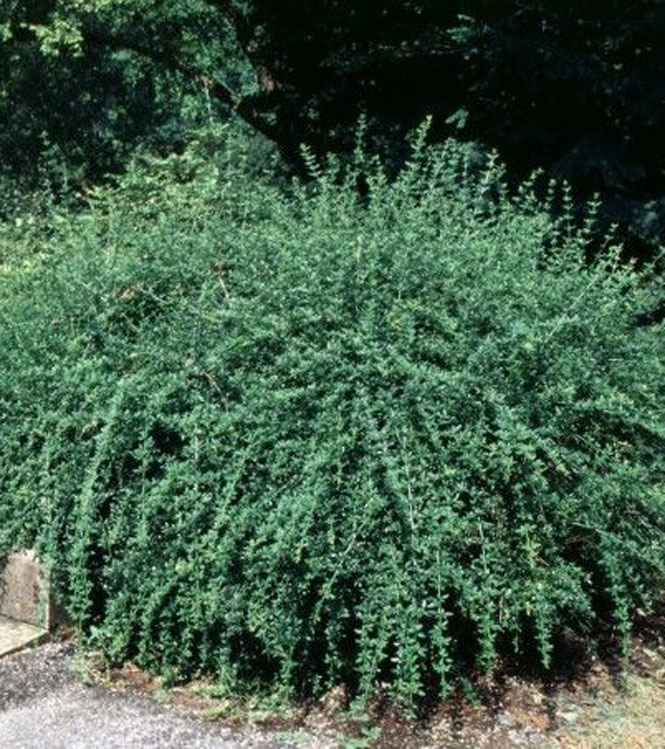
(172,61)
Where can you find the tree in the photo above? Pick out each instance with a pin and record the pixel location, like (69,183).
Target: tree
(575,89)
(82,85)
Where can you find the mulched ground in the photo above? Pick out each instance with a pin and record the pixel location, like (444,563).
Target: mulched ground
(52,698)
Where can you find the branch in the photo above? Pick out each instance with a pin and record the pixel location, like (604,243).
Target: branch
(170,60)
(173,62)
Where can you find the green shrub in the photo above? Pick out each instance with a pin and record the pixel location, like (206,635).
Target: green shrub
(298,436)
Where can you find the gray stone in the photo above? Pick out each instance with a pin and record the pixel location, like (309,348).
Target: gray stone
(27,612)
(24,590)
(15,635)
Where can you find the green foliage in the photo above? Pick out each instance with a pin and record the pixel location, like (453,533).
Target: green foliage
(80,92)
(296,436)
(573,88)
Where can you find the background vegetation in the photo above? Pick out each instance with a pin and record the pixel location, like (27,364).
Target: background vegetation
(574,89)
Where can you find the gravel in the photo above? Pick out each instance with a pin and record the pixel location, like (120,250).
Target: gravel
(44,705)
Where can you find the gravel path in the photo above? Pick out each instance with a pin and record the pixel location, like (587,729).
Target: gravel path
(43,705)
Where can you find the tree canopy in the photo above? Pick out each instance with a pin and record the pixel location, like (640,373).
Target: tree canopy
(576,89)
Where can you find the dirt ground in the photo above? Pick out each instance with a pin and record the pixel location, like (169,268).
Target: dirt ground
(52,698)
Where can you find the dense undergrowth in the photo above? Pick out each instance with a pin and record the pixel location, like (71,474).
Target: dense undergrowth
(293,435)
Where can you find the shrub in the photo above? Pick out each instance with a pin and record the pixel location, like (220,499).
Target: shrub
(303,437)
